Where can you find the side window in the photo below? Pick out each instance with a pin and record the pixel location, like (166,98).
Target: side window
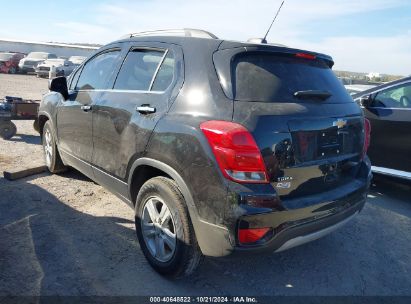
(74,79)
(138,70)
(398,97)
(97,71)
(52,56)
(165,74)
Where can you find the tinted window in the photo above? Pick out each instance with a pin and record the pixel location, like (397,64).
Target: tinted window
(398,97)
(97,71)
(165,74)
(52,56)
(138,70)
(274,78)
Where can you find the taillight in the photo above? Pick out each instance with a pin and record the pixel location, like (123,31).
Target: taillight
(367,136)
(236,152)
(249,236)
(305,56)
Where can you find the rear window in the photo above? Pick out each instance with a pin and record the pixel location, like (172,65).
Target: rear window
(274,78)
(138,70)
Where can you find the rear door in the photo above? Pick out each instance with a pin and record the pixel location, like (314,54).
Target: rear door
(390,117)
(74,115)
(309,130)
(127,113)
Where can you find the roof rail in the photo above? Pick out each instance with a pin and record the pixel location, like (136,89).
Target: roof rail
(186,32)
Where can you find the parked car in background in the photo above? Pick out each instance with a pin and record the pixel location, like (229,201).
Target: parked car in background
(9,62)
(77,59)
(33,59)
(388,108)
(218,146)
(63,67)
(357,88)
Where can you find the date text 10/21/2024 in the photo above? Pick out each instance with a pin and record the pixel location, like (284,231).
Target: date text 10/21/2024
(206,299)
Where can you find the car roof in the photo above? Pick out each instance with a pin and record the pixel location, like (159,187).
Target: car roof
(380,87)
(186,37)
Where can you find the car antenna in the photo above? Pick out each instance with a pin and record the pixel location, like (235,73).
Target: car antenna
(264,40)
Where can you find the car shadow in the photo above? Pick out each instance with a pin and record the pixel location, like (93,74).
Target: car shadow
(48,247)
(397,191)
(28,139)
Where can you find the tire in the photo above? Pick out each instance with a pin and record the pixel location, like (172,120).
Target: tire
(36,125)
(7,129)
(51,154)
(12,70)
(186,256)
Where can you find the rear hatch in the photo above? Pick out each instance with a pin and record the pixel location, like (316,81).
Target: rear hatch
(308,128)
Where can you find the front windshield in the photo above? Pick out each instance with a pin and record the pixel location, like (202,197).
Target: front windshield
(37,55)
(5,56)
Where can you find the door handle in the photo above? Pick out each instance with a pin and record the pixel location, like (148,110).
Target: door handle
(146,109)
(86,108)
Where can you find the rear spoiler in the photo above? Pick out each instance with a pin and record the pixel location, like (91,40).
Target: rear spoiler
(276,48)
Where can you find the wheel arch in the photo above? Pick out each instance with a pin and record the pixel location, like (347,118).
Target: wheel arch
(163,170)
(213,240)
(43,118)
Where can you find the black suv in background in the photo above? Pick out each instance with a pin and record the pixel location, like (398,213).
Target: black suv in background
(388,108)
(219,146)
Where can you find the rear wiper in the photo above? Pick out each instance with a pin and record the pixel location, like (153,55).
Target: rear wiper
(309,94)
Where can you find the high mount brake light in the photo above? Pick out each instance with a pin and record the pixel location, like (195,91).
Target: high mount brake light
(236,151)
(306,56)
(367,136)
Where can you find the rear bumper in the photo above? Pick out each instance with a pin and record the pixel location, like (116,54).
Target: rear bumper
(42,73)
(292,223)
(26,69)
(299,240)
(296,229)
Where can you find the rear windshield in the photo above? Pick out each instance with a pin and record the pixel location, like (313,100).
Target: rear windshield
(274,78)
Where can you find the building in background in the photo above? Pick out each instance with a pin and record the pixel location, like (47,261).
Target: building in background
(60,49)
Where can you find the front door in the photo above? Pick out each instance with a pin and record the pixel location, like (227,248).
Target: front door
(125,116)
(74,116)
(390,117)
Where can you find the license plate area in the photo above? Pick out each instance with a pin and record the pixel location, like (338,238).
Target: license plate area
(314,140)
(313,145)
(330,143)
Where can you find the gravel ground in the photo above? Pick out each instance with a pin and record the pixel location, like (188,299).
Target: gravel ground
(65,235)
(25,86)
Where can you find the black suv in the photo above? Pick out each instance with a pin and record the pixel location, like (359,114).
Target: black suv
(388,108)
(219,146)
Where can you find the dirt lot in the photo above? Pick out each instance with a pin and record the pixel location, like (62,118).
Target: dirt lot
(65,235)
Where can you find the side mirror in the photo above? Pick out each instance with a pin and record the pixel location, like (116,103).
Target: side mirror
(59,85)
(365,101)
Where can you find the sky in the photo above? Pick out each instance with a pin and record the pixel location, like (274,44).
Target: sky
(361,35)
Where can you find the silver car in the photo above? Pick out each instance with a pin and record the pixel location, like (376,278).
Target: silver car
(63,67)
(33,59)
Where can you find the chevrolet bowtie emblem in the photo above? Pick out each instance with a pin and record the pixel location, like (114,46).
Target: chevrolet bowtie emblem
(340,123)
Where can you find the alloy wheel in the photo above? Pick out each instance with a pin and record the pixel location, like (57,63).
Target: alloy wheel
(48,148)
(158,229)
